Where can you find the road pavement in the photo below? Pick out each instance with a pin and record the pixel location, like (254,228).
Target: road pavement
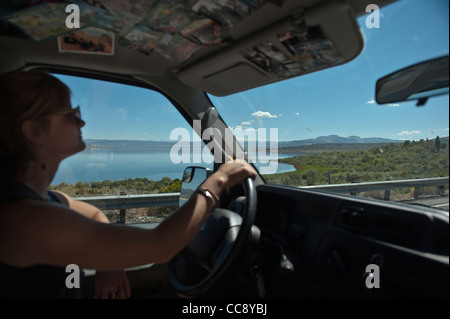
(436,202)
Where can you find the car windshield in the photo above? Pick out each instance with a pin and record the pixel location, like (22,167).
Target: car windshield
(329,129)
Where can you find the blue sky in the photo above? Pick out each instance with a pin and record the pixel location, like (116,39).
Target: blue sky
(118,112)
(340,100)
(336,101)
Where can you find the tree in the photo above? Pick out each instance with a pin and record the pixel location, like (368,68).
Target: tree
(437,143)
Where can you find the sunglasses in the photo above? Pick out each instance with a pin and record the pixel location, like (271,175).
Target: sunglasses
(72,113)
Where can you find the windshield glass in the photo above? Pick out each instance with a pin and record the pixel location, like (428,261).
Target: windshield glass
(330,130)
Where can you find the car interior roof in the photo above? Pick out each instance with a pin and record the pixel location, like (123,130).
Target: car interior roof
(217,69)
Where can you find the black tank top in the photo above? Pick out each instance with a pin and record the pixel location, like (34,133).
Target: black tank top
(38,281)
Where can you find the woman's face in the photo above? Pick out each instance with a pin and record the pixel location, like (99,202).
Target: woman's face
(64,136)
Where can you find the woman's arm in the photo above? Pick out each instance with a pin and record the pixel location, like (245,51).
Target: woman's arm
(37,232)
(106,283)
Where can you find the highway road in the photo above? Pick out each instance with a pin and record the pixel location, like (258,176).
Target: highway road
(436,202)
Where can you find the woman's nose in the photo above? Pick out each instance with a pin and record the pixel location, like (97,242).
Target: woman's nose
(81,123)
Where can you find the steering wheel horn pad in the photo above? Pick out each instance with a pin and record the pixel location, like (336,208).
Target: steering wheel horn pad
(202,247)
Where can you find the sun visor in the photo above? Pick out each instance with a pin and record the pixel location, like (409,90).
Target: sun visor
(306,41)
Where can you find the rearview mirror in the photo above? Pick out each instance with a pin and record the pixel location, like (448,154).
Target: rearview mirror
(193,177)
(417,82)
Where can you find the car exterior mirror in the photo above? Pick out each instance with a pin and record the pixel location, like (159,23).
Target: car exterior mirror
(193,177)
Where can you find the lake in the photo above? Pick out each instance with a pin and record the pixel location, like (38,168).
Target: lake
(100,164)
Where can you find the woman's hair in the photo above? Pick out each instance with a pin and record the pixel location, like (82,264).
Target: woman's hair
(25,96)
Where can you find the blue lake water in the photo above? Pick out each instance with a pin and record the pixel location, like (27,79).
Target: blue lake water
(116,164)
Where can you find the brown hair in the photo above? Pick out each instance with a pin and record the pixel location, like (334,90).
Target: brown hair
(25,96)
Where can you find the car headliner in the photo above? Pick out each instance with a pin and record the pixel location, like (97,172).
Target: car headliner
(209,68)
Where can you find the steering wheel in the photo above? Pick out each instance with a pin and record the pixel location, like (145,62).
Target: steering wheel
(217,245)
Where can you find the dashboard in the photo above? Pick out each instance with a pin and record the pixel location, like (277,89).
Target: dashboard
(281,218)
(318,245)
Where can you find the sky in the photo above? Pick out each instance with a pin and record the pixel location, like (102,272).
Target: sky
(340,100)
(337,101)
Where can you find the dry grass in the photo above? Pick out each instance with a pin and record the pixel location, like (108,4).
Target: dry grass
(141,215)
(404,194)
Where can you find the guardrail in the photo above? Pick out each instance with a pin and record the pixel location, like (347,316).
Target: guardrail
(355,188)
(124,202)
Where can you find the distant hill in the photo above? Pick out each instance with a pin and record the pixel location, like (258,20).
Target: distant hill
(334,139)
(336,143)
(94,143)
(329,147)
(331,143)
(315,145)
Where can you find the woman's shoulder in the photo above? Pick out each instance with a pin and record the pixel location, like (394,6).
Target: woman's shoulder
(26,211)
(14,191)
(29,227)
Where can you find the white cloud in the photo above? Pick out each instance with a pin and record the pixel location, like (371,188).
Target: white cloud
(409,133)
(248,123)
(296,114)
(264,114)
(372,101)
(237,128)
(445,129)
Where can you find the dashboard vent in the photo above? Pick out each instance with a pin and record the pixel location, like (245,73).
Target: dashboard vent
(352,216)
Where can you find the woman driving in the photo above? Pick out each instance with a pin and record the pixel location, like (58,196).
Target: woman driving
(42,231)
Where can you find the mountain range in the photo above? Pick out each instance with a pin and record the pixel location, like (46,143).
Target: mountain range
(335,139)
(330,142)
(318,140)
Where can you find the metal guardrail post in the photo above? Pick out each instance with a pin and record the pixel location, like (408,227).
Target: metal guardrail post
(441,190)
(416,192)
(122,216)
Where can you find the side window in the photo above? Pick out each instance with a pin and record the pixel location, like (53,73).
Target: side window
(132,165)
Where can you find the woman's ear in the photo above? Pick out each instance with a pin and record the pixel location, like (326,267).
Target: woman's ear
(32,131)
